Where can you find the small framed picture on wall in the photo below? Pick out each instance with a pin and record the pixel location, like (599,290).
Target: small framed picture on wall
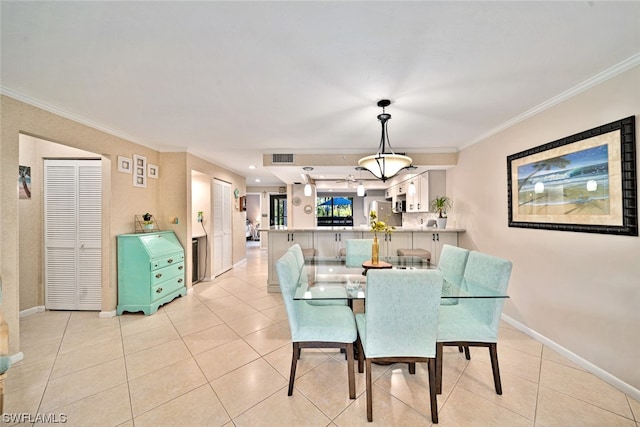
(153,171)
(124,164)
(139,171)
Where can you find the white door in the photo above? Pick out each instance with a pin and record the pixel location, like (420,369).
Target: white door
(73,234)
(222,236)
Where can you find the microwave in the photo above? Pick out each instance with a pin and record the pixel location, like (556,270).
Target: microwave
(401,206)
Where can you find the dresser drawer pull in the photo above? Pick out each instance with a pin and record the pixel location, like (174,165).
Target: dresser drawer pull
(181,267)
(170,260)
(179,280)
(159,275)
(158,290)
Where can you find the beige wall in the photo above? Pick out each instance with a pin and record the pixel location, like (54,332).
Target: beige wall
(168,196)
(579,290)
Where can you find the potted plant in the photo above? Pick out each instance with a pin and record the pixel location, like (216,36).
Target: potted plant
(441,204)
(148,221)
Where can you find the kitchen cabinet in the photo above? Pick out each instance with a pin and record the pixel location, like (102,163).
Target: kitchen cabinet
(433,242)
(328,244)
(390,243)
(279,242)
(428,186)
(151,271)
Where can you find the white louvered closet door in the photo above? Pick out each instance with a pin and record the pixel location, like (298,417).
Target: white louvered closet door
(222,236)
(73,234)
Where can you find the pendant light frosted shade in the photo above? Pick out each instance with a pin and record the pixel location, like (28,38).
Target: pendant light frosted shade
(360,190)
(307,189)
(412,189)
(385,164)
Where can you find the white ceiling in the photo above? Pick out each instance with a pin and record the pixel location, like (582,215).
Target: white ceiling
(231,81)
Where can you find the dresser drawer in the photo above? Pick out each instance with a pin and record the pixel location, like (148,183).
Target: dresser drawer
(162,274)
(165,261)
(166,287)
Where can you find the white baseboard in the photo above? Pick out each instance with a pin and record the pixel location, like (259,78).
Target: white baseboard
(616,382)
(32,310)
(17,357)
(107,314)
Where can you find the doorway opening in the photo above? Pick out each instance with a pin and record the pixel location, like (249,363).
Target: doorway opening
(278,210)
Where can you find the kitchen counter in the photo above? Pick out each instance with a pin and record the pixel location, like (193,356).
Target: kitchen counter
(281,229)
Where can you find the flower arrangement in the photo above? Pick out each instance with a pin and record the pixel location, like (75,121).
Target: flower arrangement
(379,226)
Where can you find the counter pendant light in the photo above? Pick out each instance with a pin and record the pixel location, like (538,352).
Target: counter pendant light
(360,190)
(412,189)
(385,164)
(307,186)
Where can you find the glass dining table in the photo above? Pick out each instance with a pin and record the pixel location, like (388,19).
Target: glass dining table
(329,278)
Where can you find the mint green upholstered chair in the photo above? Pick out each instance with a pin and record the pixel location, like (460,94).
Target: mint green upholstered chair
(451,263)
(296,250)
(474,321)
(358,251)
(328,326)
(400,324)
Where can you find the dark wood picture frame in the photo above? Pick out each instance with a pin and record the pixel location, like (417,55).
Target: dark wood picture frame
(585,182)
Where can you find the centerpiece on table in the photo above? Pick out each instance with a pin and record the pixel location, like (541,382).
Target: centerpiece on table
(377,226)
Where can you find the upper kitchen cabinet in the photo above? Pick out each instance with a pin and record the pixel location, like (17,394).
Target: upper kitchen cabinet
(428,185)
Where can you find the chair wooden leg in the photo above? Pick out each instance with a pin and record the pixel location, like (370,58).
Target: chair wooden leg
(294,362)
(439,347)
(369,391)
(460,348)
(493,352)
(412,368)
(467,354)
(360,355)
(431,364)
(350,374)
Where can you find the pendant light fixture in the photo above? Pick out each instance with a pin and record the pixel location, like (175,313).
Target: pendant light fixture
(307,186)
(385,164)
(360,190)
(412,189)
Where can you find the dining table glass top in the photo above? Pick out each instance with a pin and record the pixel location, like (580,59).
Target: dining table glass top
(329,278)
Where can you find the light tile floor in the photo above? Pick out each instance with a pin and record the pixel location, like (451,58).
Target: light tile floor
(221,355)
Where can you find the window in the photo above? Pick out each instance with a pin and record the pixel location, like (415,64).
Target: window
(334,211)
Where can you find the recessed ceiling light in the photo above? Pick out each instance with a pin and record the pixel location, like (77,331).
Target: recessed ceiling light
(307,168)
(257,179)
(252,167)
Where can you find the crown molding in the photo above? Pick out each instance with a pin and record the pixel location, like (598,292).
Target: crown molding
(621,67)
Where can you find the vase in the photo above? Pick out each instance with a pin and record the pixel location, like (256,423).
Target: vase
(442,222)
(375,251)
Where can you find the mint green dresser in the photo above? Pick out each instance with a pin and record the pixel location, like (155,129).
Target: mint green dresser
(150,271)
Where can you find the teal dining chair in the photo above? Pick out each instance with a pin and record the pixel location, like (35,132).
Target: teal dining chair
(312,326)
(296,250)
(358,251)
(474,322)
(451,263)
(400,324)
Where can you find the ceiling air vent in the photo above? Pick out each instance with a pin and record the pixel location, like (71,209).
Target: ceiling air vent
(282,159)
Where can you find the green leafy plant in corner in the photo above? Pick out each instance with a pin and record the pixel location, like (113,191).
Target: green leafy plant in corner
(441,204)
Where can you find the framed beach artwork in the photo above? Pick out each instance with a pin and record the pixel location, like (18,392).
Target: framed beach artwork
(24,182)
(585,182)
(139,171)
